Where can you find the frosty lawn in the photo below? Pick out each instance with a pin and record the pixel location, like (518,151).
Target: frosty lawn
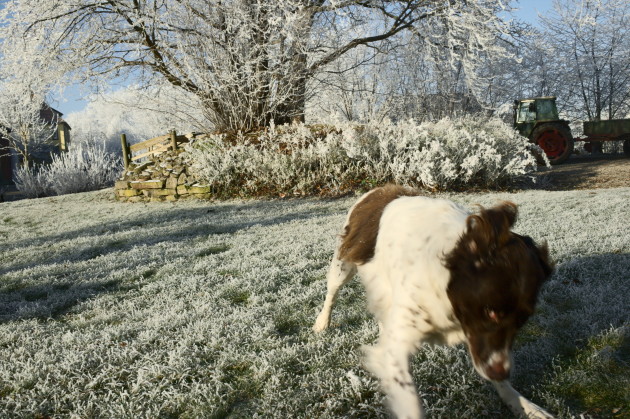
(201,309)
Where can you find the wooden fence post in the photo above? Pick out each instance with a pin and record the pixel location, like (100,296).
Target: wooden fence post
(125,150)
(173,140)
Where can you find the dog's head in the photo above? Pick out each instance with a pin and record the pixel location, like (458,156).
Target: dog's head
(495,278)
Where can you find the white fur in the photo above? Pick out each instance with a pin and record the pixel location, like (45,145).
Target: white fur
(406,289)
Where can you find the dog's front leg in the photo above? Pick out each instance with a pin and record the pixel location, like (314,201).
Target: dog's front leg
(391,366)
(519,404)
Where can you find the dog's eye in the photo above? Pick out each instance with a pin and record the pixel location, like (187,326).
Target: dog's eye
(494,315)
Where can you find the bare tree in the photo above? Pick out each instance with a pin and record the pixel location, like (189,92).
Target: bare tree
(590,51)
(440,67)
(28,74)
(22,120)
(248,61)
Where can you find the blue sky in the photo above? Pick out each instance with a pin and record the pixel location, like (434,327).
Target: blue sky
(529,9)
(528,12)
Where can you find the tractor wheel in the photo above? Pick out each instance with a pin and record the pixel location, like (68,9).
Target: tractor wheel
(626,147)
(556,141)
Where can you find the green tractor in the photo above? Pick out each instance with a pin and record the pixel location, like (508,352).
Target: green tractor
(537,119)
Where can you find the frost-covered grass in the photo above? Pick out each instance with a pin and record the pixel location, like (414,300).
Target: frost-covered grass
(200,309)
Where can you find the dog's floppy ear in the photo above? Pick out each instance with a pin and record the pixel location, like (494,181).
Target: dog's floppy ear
(545,260)
(490,228)
(542,254)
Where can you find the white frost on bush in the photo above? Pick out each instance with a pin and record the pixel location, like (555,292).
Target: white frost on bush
(459,153)
(85,167)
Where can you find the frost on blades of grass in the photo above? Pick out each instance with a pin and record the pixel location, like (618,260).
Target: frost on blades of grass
(200,309)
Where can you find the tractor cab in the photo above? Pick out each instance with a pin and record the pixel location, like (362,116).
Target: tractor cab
(527,112)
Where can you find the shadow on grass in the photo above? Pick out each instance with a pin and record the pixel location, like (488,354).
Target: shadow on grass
(586,297)
(596,380)
(48,300)
(154,228)
(54,297)
(51,283)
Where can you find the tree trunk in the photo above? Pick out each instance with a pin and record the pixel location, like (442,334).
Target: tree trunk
(293,109)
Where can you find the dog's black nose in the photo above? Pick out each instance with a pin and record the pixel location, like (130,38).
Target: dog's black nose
(497,371)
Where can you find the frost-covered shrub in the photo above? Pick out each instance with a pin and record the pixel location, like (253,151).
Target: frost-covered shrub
(85,167)
(291,159)
(448,154)
(32,182)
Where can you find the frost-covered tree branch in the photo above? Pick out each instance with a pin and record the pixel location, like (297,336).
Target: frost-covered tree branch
(590,50)
(249,62)
(23,89)
(21,122)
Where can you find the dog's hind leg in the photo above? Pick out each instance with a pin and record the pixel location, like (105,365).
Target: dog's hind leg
(519,404)
(339,273)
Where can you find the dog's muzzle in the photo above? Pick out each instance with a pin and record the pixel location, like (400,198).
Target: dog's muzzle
(497,367)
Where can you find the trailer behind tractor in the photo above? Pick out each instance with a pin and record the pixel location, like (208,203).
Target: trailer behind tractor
(537,119)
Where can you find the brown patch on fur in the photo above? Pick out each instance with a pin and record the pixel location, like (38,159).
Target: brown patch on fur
(495,279)
(359,238)
(491,227)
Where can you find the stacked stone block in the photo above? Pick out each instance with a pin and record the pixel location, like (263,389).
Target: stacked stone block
(163,177)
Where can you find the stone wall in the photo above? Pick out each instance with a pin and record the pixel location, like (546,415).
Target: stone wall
(163,177)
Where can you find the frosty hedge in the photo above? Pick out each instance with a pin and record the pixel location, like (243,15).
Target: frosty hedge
(469,152)
(465,153)
(85,167)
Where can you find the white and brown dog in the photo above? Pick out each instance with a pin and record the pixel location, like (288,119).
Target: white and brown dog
(435,273)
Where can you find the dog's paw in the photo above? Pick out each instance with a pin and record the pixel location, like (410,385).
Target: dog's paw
(533,411)
(519,404)
(321,324)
